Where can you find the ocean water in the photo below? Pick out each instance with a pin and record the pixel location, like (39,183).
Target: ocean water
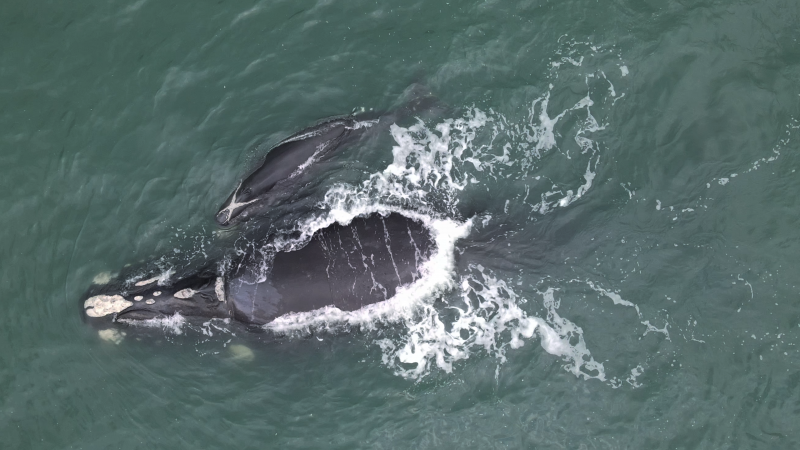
(612,187)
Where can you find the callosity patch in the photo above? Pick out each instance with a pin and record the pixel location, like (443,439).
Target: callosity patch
(103,305)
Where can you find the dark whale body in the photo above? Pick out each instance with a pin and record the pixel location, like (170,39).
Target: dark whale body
(289,157)
(347,267)
(297,153)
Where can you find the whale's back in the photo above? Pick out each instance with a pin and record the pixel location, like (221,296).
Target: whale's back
(348,267)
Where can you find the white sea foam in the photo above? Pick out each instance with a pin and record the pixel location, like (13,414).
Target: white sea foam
(615,297)
(171,324)
(489,319)
(439,160)
(635,373)
(489,308)
(653,329)
(432,163)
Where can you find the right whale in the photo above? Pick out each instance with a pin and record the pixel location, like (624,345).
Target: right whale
(295,154)
(342,266)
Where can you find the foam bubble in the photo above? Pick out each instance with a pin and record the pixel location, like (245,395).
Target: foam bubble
(432,164)
(170,324)
(490,320)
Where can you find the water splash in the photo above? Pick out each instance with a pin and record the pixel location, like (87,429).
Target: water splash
(447,315)
(489,318)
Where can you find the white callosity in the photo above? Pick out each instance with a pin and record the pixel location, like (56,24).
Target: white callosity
(147,281)
(103,305)
(184,293)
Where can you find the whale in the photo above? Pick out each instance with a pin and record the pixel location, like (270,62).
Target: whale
(341,266)
(346,266)
(299,152)
(288,158)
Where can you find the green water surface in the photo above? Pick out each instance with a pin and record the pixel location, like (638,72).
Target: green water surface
(124,125)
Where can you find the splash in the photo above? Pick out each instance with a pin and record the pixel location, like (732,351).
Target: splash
(489,319)
(444,316)
(171,324)
(431,166)
(448,314)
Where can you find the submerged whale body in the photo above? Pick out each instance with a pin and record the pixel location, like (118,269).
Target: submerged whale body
(346,267)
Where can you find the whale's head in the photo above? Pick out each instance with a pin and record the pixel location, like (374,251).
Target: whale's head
(121,300)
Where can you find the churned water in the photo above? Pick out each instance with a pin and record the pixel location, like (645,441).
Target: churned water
(612,188)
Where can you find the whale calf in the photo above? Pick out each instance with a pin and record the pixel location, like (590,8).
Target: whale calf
(297,153)
(343,266)
(289,157)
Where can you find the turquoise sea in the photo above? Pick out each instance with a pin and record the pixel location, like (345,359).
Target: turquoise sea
(618,181)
